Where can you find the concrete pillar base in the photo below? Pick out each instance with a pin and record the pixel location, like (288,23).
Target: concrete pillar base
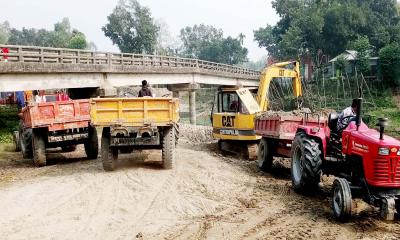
(192,107)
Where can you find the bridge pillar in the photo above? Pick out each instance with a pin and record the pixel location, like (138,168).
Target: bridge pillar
(192,106)
(175,94)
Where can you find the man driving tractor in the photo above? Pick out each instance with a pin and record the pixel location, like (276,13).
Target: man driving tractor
(346,116)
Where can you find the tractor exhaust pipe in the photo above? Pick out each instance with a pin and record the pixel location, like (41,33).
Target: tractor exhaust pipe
(382,123)
(358,112)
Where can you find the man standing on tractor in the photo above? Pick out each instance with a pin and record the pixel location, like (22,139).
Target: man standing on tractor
(346,116)
(145,91)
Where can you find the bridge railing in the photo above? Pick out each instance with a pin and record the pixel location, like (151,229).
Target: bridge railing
(45,55)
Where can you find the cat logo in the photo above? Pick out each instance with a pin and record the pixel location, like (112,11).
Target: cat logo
(228,121)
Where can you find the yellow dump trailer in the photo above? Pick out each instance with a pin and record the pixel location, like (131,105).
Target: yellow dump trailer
(136,123)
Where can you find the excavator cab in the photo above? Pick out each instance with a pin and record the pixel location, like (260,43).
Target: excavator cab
(232,119)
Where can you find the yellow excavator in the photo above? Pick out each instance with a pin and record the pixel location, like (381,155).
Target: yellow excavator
(235,108)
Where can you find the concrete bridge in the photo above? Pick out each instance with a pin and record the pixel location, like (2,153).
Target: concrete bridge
(29,68)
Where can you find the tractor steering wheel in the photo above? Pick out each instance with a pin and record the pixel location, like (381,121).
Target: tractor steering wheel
(345,122)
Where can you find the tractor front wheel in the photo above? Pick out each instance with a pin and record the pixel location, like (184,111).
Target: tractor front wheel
(109,155)
(306,163)
(342,200)
(39,147)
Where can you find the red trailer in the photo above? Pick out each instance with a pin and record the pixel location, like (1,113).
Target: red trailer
(278,130)
(56,124)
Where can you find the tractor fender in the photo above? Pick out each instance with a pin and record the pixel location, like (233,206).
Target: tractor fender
(320,136)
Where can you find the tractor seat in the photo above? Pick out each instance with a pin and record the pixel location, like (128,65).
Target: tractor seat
(332,121)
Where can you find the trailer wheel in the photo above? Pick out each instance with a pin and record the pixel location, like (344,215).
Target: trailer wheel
(342,200)
(25,138)
(39,147)
(168,148)
(70,148)
(177,135)
(109,155)
(92,144)
(17,141)
(306,163)
(265,155)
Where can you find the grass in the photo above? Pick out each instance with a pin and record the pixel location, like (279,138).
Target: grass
(8,123)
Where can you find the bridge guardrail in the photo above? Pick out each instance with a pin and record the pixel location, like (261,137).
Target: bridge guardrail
(31,54)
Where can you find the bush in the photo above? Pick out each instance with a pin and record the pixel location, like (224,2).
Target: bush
(389,64)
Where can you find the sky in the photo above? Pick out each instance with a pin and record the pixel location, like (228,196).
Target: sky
(88,16)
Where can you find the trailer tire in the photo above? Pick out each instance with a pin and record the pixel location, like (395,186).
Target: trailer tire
(265,155)
(306,163)
(168,148)
(69,148)
(341,200)
(92,144)
(109,155)
(39,147)
(25,138)
(177,135)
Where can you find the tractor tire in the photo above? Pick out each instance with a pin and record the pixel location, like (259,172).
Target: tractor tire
(265,155)
(92,144)
(39,147)
(306,163)
(69,148)
(341,200)
(168,148)
(17,141)
(109,155)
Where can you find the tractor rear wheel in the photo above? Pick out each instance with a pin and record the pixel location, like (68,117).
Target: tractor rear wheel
(306,163)
(265,155)
(109,155)
(168,148)
(39,147)
(92,144)
(342,200)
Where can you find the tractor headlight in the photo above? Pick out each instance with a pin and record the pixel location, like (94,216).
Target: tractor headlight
(383,151)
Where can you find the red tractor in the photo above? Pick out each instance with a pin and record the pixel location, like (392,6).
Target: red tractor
(366,164)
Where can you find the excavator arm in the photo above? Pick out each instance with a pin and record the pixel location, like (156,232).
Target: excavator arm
(278,70)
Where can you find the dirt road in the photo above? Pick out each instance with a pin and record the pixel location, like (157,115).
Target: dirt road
(207,196)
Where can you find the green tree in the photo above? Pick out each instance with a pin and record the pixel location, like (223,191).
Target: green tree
(309,26)
(78,41)
(61,37)
(4,32)
(198,37)
(131,27)
(363,48)
(208,43)
(389,64)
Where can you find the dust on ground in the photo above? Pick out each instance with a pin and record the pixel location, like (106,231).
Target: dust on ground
(207,196)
